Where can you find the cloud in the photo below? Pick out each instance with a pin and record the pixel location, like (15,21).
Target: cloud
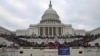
(12,18)
(80,26)
(17,4)
(85,12)
(82,17)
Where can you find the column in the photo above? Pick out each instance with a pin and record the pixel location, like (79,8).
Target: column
(38,30)
(52,31)
(59,30)
(43,30)
(56,30)
(62,30)
(48,30)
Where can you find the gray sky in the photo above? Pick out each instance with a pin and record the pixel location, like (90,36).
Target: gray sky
(19,14)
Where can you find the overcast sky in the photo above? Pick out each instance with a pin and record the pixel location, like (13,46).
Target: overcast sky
(19,14)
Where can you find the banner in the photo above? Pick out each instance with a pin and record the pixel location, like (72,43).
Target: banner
(56,38)
(63,51)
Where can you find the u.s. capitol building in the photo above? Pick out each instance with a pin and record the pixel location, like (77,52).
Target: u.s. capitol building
(50,25)
(38,39)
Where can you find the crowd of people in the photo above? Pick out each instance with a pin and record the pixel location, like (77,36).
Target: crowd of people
(24,43)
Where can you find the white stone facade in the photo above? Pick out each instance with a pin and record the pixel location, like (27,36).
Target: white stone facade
(4,31)
(95,31)
(30,51)
(50,25)
(80,32)
(21,32)
(95,41)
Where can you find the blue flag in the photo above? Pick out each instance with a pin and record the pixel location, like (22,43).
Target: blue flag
(63,51)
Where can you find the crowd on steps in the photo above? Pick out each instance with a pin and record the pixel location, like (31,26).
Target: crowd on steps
(24,43)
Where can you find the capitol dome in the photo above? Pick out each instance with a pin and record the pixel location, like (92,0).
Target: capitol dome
(50,16)
(50,11)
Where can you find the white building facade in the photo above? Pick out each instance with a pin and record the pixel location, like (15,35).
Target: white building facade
(95,31)
(50,25)
(5,31)
(29,51)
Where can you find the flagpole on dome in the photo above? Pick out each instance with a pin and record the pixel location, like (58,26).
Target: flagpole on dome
(50,5)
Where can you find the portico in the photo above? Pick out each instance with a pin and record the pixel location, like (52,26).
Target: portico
(51,31)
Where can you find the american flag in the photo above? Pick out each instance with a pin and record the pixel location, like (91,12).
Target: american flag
(46,41)
(56,39)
